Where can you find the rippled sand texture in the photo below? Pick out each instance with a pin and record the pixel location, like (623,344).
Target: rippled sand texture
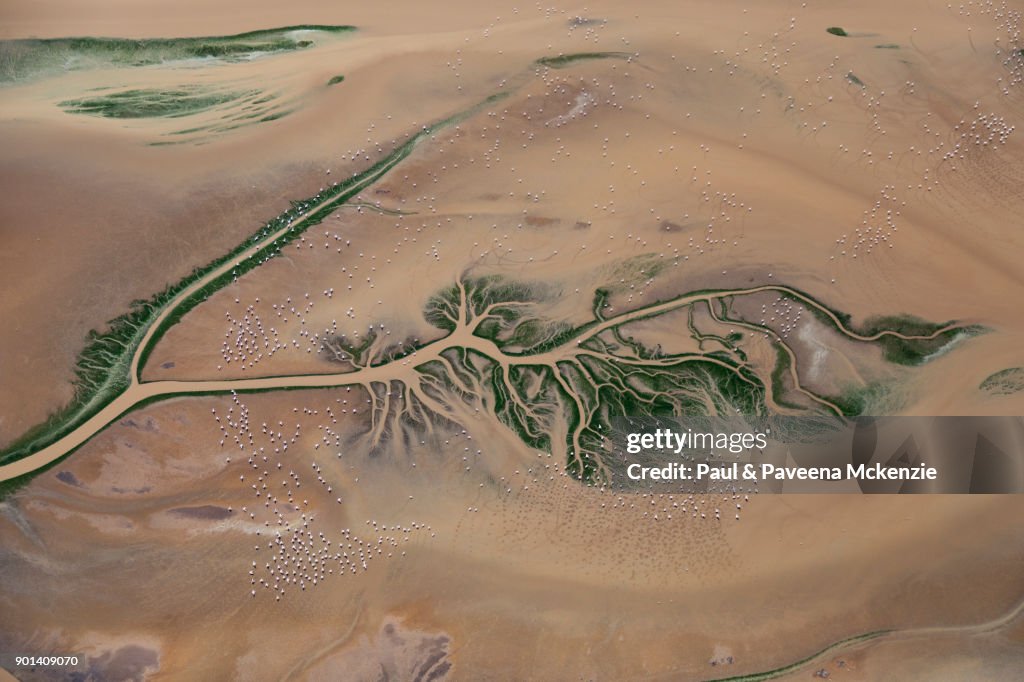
(409,525)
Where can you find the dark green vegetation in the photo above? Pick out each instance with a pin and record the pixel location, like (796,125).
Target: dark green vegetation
(852,77)
(151,103)
(340,349)
(888,46)
(928,337)
(546,373)
(29,57)
(227,110)
(913,352)
(861,400)
(103,370)
(564,60)
(836,31)
(539,375)
(1004,382)
(335,80)
(777,672)
(11,485)
(916,351)
(286,227)
(254,108)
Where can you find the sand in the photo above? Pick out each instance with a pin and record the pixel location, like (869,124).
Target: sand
(738,146)
(577,579)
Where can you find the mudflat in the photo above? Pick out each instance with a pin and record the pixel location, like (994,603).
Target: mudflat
(367,434)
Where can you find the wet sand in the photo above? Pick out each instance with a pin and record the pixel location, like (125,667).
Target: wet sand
(156,212)
(498,557)
(702,162)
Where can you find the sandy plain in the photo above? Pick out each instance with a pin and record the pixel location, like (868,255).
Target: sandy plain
(504,565)
(607,173)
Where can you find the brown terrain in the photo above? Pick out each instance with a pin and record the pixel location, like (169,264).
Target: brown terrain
(336,530)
